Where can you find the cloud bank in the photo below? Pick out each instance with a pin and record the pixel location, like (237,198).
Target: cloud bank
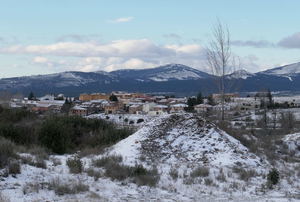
(119,54)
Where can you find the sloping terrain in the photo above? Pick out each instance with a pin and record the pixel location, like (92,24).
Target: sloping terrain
(194,159)
(174,79)
(177,139)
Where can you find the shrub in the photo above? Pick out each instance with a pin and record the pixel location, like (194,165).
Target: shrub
(200,172)
(107,161)
(67,134)
(244,174)
(3,198)
(31,188)
(40,163)
(138,174)
(118,172)
(55,135)
(93,173)
(75,165)
(208,182)
(142,176)
(221,177)
(173,173)
(131,122)
(62,188)
(126,120)
(140,121)
(14,168)
(272,178)
(6,152)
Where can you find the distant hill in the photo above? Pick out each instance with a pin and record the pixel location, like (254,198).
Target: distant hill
(174,79)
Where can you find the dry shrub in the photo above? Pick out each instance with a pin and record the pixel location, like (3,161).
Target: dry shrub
(200,172)
(75,165)
(62,188)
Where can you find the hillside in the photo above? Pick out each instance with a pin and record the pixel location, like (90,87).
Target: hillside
(179,157)
(173,79)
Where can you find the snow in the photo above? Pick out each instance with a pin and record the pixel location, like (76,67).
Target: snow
(180,141)
(180,75)
(293,143)
(240,74)
(284,70)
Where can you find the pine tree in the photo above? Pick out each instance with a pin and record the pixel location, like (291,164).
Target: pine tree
(113,98)
(31,96)
(199,98)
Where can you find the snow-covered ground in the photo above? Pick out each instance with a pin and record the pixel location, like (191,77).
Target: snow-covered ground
(137,120)
(180,142)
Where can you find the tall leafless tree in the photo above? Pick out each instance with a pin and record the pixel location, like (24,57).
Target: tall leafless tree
(219,57)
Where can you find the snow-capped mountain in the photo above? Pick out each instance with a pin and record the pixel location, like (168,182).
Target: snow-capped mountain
(240,74)
(174,79)
(162,73)
(286,70)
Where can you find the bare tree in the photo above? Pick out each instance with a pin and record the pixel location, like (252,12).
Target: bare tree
(219,58)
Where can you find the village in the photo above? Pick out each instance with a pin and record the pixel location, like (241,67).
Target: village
(144,104)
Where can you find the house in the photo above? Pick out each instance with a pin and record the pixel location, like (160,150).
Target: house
(112,108)
(227,97)
(148,106)
(219,107)
(159,110)
(136,108)
(94,96)
(177,108)
(79,111)
(200,108)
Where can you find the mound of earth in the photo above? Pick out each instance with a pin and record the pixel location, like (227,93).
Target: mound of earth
(184,138)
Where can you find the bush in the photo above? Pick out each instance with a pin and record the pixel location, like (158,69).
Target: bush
(67,134)
(200,172)
(244,174)
(138,174)
(6,152)
(93,173)
(3,198)
(14,168)
(173,173)
(142,176)
(107,161)
(62,188)
(55,135)
(140,121)
(272,178)
(131,122)
(75,165)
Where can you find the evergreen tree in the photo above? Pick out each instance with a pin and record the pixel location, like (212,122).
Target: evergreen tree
(66,106)
(199,98)
(31,96)
(210,100)
(113,98)
(191,102)
(270,99)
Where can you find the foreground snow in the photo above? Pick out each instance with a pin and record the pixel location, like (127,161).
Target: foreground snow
(180,142)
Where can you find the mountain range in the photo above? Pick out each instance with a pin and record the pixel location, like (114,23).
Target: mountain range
(174,79)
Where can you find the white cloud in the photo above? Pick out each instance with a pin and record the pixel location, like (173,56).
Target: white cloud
(121,20)
(40,60)
(119,54)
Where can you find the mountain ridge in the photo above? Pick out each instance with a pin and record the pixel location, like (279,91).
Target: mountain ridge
(167,79)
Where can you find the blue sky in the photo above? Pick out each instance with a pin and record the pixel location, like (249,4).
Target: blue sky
(39,37)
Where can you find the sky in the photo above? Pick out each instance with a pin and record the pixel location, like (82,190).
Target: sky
(42,37)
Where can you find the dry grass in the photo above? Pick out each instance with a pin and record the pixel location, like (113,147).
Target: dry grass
(200,172)
(61,188)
